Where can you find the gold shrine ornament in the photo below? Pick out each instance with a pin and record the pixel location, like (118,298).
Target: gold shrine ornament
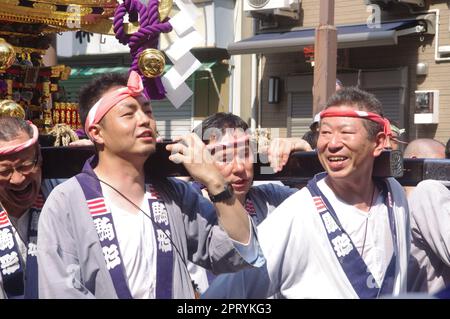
(12,109)
(164,8)
(7,55)
(151,63)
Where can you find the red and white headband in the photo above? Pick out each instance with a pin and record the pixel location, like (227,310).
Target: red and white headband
(360,114)
(7,150)
(134,88)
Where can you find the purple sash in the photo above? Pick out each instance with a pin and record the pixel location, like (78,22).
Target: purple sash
(16,285)
(345,251)
(104,225)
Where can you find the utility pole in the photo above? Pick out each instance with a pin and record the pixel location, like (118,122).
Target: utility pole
(325,51)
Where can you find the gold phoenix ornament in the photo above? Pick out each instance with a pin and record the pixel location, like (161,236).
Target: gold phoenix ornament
(7,55)
(151,63)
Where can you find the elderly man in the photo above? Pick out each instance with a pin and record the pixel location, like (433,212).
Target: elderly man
(345,235)
(21,199)
(110,233)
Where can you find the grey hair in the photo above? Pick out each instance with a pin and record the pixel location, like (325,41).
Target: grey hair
(10,128)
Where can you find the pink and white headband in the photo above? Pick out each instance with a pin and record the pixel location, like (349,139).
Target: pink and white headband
(134,88)
(360,114)
(233,143)
(7,150)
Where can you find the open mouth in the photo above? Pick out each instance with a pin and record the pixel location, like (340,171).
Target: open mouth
(145,134)
(336,162)
(337,159)
(23,192)
(239,184)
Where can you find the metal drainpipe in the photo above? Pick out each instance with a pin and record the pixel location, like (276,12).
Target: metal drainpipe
(255,117)
(260,89)
(216,87)
(231,86)
(254,86)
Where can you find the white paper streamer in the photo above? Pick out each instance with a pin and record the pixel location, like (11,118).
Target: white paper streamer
(184,63)
(183,45)
(177,96)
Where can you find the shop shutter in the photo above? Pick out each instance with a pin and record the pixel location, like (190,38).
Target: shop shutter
(390,98)
(301,117)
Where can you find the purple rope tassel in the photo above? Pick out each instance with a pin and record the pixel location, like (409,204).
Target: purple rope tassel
(146,37)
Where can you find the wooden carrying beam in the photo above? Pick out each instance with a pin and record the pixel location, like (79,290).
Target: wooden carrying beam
(65,162)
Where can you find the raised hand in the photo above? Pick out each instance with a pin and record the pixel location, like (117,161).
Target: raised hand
(280,149)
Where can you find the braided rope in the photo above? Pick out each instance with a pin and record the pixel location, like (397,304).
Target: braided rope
(146,37)
(64,135)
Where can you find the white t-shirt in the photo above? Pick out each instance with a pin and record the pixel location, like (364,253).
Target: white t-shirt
(377,240)
(300,260)
(137,246)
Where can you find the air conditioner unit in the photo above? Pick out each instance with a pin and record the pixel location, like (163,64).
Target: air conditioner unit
(427,107)
(270,5)
(418,3)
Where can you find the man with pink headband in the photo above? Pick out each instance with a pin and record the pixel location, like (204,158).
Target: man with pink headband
(21,199)
(228,138)
(345,235)
(109,232)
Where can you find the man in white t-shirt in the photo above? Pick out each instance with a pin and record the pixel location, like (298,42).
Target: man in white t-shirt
(345,235)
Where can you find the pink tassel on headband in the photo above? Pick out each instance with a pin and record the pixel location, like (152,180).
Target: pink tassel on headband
(360,114)
(108,101)
(19,147)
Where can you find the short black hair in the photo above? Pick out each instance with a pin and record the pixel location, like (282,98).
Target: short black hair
(363,101)
(94,90)
(10,128)
(311,137)
(220,121)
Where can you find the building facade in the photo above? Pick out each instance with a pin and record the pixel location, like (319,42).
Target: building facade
(91,54)
(398,50)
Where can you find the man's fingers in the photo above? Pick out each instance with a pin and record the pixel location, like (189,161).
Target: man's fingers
(177,158)
(179,148)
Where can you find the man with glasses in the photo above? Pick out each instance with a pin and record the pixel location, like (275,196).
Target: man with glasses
(21,199)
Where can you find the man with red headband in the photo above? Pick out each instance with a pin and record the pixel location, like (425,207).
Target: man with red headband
(345,235)
(21,199)
(110,233)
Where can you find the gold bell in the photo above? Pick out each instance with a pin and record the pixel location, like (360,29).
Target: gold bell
(151,63)
(12,109)
(7,55)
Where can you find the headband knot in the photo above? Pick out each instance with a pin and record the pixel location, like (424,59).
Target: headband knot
(134,88)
